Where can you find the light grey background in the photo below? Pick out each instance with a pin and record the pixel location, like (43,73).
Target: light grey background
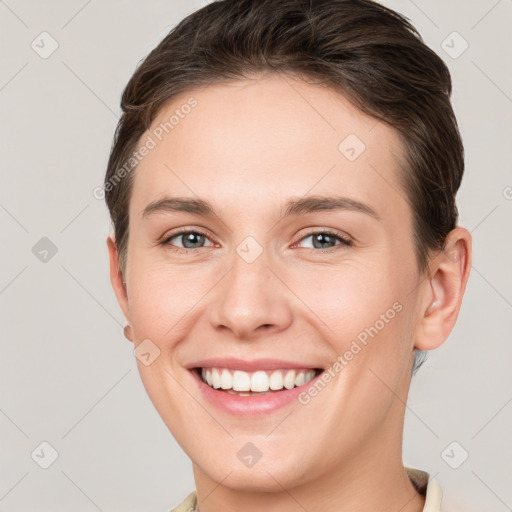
(68,376)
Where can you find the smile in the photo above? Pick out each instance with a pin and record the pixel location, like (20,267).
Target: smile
(244,383)
(248,388)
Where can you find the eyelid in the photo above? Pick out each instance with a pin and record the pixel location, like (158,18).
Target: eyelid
(345,240)
(329,231)
(184,230)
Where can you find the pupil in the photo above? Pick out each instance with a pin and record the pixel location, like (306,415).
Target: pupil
(324,238)
(190,238)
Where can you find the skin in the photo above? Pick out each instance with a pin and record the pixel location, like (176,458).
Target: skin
(248,147)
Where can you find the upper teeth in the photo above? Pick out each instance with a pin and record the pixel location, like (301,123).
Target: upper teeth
(259,381)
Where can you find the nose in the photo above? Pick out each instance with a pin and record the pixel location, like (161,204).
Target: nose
(251,301)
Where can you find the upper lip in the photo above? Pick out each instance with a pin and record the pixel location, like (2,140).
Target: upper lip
(249,366)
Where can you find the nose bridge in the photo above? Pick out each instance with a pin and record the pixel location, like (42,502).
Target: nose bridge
(250,296)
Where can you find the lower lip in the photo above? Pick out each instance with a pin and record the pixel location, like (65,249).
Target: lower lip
(250,405)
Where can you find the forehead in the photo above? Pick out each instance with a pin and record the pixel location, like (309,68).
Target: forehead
(259,141)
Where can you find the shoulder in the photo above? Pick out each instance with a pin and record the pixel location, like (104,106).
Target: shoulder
(188,504)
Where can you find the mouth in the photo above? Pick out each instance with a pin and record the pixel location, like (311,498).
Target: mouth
(251,388)
(243,383)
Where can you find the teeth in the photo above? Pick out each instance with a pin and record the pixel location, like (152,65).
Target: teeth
(215,378)
(241,381)
(289,379)
(260,381)
(276,380)
(226,380)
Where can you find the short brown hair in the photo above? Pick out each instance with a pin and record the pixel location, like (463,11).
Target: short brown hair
(367,52)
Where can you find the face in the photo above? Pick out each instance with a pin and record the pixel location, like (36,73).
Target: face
(302,277)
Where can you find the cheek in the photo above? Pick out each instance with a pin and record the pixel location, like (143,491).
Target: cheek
(349,297)
(162,299)
(363,311)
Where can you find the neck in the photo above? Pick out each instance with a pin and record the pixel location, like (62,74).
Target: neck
(395,492)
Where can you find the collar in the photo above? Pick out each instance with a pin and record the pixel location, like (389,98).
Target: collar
(428,486)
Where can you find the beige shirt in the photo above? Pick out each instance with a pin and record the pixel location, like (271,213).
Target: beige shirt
(420,479)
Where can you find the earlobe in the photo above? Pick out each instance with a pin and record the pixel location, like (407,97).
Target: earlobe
(445,290)
(128,332)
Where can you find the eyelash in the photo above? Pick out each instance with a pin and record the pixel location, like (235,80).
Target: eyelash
(344,241)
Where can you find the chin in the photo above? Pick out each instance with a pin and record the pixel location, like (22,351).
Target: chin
(265,476)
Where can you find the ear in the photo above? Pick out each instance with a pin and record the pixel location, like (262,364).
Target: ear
(444,290)
(116,279)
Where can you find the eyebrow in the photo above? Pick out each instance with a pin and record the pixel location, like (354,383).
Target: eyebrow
(298,206)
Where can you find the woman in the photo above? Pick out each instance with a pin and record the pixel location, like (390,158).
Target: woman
(282,189)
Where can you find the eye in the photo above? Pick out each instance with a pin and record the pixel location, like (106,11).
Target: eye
(191,241)
(194,239)
(326,236)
